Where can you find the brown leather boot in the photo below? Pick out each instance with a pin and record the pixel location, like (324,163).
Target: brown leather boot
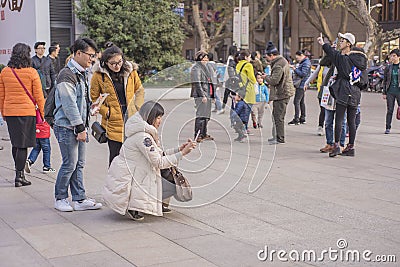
(348,151)
(335,150)
(326,149)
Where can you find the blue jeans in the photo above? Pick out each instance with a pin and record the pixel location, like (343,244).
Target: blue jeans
(41,144)
(71,170)
(218,104)
(329,122)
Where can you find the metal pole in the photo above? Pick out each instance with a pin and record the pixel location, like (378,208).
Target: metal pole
(281,27)
(240,24)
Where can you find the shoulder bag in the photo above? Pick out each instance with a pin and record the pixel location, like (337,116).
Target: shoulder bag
(42,127)
(183,188)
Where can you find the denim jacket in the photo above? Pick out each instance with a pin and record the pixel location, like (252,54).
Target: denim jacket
(71,98)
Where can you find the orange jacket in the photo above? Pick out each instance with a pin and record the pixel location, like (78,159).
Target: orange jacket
(13,99)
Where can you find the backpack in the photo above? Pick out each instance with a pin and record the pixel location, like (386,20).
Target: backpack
(235,83)
(50,104)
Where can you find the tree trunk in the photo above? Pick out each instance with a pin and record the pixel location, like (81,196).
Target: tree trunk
(201,30)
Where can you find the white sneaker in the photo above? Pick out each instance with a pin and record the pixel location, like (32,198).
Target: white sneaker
(221,111)
(87,204)
(63,205)
(28,164)
(320,131)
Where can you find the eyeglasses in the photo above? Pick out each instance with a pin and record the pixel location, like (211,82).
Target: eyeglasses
(92,56)
(41,48)
(114,64)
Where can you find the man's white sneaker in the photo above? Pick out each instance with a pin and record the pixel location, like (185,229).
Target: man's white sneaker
(87,204)
(63,205)
(221,111)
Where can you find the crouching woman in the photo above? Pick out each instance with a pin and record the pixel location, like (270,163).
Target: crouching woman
(134,184)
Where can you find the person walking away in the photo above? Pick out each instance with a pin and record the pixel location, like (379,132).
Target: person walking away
(17,107)
(134,184)
(345,91)
(302,72)
(214,74)
(117,77)
(246,70)
(230,71)
(281,89)
(262,98)
(71,121)
(391,87)
(44,67)
(203,92)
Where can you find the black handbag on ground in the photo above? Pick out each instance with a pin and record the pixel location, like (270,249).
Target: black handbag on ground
(99,133)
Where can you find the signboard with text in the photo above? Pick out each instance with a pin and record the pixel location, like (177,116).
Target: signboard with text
(20,22)
(242,33)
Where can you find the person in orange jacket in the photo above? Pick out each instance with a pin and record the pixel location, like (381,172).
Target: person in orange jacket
(17,108)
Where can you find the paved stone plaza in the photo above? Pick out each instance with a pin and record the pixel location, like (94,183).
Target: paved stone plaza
(247,197)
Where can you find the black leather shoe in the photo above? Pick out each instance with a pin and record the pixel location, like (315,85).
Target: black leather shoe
(335,151)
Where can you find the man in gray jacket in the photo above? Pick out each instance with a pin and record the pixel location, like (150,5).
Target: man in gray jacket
(71,120)
(281,89)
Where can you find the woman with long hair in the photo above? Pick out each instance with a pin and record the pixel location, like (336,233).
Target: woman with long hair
(119,78)
(17,108)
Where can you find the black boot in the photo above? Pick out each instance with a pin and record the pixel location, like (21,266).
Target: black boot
(20,179)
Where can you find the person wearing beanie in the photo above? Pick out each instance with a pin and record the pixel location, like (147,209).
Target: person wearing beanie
(203,91)
(281,89)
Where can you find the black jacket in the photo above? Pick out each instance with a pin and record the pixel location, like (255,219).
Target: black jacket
(344,92)
(45,65)
(201,81)
(387,78)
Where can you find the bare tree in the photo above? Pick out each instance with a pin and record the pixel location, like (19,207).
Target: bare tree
(209,38)
(375,36)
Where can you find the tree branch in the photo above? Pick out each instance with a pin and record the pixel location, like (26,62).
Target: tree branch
(263,15)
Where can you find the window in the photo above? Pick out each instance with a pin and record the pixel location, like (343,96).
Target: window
(306,43)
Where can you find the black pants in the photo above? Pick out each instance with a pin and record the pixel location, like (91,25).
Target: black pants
(299,106)
(390,99)
(203,114)
(201,124)
(226,95)
(19,155)
(114,147)
(278,113)
(351,122)
(321,118)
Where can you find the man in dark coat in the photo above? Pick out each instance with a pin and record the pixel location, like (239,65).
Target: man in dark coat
(44,67)
(346,91)
(203,91)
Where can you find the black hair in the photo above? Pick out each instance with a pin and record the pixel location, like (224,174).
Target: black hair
(55,43)
(83,44)
(150,111)
(300,52)
(110,52)
(20,56)
(52,49)
(233,50)
(243,54)
(395,51)
(253,55)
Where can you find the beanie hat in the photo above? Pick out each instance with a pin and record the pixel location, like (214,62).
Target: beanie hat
(271,49)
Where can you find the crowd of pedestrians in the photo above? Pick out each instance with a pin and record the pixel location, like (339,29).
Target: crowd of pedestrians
(134,186)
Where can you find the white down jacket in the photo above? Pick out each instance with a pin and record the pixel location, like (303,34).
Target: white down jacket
(134,181)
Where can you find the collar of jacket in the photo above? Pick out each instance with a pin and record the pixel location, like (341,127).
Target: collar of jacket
(278,59)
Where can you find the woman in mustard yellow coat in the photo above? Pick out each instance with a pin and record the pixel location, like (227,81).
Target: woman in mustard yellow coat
(119,78)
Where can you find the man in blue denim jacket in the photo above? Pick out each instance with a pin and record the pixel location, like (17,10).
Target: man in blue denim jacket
(71,120)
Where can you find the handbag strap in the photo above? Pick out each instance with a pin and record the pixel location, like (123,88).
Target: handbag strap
(26,90)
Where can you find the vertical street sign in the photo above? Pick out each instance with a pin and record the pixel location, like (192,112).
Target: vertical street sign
(242,33)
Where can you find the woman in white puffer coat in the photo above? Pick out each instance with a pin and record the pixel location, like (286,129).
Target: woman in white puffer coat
(133,183)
